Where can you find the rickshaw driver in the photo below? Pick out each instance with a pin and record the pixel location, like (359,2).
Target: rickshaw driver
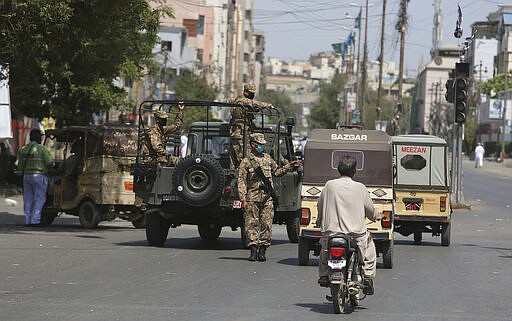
(342,207)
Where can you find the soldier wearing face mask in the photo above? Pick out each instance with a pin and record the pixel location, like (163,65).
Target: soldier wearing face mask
(256,170)
(154,151)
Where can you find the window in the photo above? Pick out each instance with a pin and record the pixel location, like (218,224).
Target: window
(166,46)
(338,154)
(199,55)
(413,162)
(200,25)
(216,145)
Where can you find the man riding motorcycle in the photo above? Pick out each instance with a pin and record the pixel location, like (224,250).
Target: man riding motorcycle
(342,207)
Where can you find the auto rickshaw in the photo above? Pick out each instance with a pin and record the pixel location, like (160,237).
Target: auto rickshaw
(91,177)
(422,186)
(372,150)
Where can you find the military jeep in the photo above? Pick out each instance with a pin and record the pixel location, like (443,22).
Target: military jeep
(201,189)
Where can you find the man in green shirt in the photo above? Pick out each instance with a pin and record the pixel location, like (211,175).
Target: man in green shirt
(33,162)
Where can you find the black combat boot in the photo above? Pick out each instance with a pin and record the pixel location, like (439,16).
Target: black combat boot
(254,253)
(261,253)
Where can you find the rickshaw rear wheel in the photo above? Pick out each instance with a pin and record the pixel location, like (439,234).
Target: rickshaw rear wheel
(446,234)
(417,237)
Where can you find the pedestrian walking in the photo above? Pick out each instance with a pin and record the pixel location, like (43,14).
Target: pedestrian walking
(33,161)
(479,155)
(257,194)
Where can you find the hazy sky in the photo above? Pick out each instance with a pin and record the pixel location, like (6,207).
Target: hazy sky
(297,28)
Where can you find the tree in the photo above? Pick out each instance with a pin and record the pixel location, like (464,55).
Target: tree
(190,87)
(496,84)
(280,101)
(326,111)
(64,54)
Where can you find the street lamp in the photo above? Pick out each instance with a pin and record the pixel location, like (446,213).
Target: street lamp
(365,57)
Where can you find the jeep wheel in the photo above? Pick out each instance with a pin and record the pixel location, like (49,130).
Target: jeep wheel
(303,251)
(387,254)
(140,222)
(209,232)
(89,215)
(199,180)
(445,234)
(292,227)
(157,228)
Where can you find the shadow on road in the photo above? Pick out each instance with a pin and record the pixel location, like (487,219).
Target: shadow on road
(196,243)
(324,308)
(422,243)
(11,223)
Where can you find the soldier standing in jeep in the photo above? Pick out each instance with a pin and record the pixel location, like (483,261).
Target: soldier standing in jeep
(154,148)
(255,190)
(239,122)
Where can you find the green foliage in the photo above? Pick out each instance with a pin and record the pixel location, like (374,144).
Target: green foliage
(470,128)
(190,87)
(386,110)
(64,54)
(279,100)
(326,111)
(494,85)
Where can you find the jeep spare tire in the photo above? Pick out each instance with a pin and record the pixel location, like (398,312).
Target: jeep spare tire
(198,179)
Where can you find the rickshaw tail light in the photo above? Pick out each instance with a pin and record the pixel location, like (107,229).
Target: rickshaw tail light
(385,221)
(442,204)
(305,216)
(128,186)
(337,251)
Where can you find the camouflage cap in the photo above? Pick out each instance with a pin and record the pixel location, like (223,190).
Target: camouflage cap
(161,114)
(258,138)
(250,88)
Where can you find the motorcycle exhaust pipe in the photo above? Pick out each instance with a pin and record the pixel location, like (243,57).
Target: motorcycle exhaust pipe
(353,291)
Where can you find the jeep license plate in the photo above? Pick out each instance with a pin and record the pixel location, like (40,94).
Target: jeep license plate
(237,204)
(167,197)
(336,264)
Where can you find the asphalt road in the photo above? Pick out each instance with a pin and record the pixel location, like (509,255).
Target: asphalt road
(63,272)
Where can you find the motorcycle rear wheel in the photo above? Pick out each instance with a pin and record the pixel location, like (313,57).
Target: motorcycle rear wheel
(338,298)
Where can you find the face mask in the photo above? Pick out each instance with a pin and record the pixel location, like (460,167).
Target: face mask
(260,148)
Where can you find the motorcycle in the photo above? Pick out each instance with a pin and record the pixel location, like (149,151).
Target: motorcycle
(346,282)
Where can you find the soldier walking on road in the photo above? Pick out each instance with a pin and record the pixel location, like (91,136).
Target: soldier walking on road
(241,120)
(154,151)
(256,190)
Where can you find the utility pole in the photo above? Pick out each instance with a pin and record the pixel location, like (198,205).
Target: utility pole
(358,56)
(403,26)
(505,97)
(381,56)
(365,59)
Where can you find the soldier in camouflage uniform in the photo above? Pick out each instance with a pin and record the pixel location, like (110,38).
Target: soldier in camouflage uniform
(257,206)
(154,151)
(240,120)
